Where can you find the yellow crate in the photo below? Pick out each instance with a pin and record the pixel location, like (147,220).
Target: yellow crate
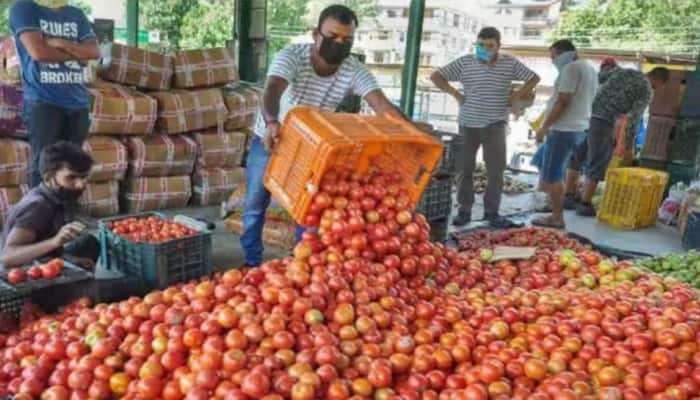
(632,197)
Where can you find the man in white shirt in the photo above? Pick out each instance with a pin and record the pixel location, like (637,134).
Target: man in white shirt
(320,75)
(567,119)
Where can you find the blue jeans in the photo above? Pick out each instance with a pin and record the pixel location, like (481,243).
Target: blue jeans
(257,200)
(557,150)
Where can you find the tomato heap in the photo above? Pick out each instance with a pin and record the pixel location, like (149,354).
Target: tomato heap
(151,229)
(50,270)
(528,237)
(368,308)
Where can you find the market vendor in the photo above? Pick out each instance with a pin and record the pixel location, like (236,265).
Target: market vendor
(43,224)
(53,39)
(624,92)
(486,78)
(319,75)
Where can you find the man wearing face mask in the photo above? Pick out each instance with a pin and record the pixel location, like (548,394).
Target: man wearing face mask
(53,39)
(567,118)
(486,78)
(319,75)
(42,224)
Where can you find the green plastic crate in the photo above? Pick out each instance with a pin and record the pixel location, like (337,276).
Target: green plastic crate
(156,266)
(682,173)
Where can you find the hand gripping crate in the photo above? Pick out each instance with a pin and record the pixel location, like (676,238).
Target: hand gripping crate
(632,197)
(312,141)
(156,266)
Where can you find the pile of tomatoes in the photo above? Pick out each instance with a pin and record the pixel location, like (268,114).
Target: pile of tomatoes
(50,270)
(523,237)
(369,308)
(151,229)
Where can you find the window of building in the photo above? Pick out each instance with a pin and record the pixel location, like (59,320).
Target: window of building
(427,36)
(383,35)
(510,32)
(379,57)
(455,20)
(402,36)
(405,13)
(535,13)
(429,13)
(391,13)
(424,59)
(532,33)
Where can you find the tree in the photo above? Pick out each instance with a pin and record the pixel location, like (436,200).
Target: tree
(207,25)
(81,4)
(166,17)
(5,18)
(365,9)
(647,25)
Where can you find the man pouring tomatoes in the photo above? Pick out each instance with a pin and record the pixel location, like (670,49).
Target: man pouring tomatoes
(43,224)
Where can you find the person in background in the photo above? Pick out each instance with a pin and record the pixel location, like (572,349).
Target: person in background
(486,78)
(53,39)
(625,91)
(567,118)
(43,224)
(578,158)
(318,75)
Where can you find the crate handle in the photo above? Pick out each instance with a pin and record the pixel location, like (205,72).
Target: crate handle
(419,176)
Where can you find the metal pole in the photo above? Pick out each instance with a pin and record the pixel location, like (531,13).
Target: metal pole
(410,69)
(132,22)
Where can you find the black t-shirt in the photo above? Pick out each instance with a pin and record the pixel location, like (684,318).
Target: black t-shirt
(38,213)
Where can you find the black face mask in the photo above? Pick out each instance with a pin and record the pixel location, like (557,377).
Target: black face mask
(65,195)
(333,52)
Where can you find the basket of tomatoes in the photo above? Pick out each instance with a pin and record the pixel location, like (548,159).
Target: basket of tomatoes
(154,252)
(17,284)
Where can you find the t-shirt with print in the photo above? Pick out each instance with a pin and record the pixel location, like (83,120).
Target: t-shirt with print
(486,87)
(307,88)
(60,84)
(38,213)
(580,79)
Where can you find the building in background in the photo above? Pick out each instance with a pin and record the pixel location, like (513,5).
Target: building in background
(523,22)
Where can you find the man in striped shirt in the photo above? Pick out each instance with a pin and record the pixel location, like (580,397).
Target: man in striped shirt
(486,79)
(320,75)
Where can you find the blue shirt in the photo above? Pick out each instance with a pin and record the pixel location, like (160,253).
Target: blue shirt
(60,84)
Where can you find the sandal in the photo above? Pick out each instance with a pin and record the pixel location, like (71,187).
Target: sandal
(548,222)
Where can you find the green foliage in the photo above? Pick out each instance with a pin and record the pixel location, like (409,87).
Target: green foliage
(284,20)
(648,25)
(167,17)
(207,25)
(84,6)
(5,18)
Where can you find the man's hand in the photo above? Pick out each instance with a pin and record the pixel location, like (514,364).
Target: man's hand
(271,135)
(540,134)
(514,97)
(68,233)
(58,43)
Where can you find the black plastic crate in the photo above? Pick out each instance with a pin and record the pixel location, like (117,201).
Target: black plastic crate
(691,236)
(682,173)
(436,201)
(448,162)
(69,274)
(653,164)
(11,301)
(156,266)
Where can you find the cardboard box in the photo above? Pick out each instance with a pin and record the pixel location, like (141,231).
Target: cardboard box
(15,159)
(161,155)
(667,100)
(9,196)
(242,101)
(101,199)
(204,68)
(276,233)
(220,150)
(211,186)
(110,156)
(117,110)
(137,67)
(9,62)
(156,193)
(181,111)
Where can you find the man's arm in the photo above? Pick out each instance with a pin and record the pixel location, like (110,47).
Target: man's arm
(40,50)
(560,106)
(274,88)
(381,105)
(20,250)
(87,50)
(635,118)
(441,83)
(523,73)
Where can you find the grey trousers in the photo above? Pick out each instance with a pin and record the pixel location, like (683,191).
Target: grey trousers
(493,140)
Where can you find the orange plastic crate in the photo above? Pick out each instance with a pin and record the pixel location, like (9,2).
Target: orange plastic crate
(313,141)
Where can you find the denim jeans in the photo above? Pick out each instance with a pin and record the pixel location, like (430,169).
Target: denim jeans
(256,202)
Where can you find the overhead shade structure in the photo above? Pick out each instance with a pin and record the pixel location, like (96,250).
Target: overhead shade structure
(409,75)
